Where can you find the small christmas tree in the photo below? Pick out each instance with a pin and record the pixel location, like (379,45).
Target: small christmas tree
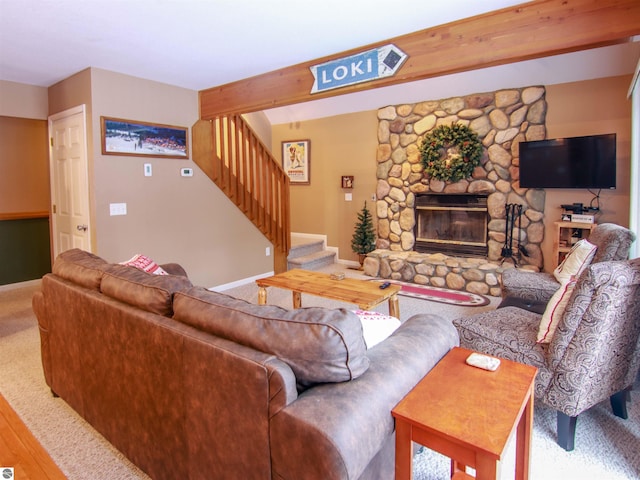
(364,236)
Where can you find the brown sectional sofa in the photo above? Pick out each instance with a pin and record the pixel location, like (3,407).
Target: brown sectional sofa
(190,383)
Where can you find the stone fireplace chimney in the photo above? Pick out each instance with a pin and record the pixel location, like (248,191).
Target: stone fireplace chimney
(501,120)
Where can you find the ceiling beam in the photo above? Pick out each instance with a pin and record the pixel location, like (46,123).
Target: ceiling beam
(531,30)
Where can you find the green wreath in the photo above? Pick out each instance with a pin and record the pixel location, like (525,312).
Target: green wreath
(451,152)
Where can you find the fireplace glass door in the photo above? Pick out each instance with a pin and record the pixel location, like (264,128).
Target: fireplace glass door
(451,229)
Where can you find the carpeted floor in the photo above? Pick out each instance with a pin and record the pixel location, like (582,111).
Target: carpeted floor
(606,446)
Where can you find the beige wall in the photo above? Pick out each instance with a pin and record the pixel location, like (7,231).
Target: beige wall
(24,163)
(346,145)
(24,101)
(24,155)
(590,108)
(340,145)
(169,217)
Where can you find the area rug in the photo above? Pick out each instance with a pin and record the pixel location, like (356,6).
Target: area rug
(441,295)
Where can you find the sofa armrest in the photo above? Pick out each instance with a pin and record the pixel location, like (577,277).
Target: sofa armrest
(174,269)
(342,426)
(40,311)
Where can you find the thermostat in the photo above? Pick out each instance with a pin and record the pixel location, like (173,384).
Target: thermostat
(186,172)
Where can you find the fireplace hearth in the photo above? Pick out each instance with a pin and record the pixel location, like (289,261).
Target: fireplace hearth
(451,224)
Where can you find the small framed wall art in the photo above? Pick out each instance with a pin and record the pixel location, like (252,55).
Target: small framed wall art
(347,181)
(142,139)
(296,161)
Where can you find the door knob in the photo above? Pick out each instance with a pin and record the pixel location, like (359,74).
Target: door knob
(81,228)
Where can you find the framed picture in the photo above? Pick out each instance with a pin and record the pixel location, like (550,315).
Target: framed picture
(347,181)
(142,139)
(296,160)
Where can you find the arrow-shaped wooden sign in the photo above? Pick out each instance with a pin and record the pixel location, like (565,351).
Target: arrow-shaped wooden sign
(362,67)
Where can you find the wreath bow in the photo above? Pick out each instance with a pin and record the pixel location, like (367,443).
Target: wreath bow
(451,152)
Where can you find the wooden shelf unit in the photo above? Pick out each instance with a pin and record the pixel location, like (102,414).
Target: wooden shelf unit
(565,233)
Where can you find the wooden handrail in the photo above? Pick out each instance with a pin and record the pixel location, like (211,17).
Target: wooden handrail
(234,158)
(23,215)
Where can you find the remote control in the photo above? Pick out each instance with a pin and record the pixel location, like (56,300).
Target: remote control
(484,362)
(384,285)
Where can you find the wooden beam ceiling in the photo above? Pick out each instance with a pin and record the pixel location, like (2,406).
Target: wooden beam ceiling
(531,30)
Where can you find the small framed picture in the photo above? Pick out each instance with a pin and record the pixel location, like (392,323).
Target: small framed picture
(296,159)
(347,181)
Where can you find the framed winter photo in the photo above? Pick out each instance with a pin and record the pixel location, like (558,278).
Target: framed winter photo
(142,139)
(296,160)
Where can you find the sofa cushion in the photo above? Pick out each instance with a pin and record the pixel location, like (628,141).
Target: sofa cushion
(320,345)
(578,258)
(80,267)
(153,293)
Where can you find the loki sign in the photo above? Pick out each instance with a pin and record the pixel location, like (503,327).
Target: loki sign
(362,67)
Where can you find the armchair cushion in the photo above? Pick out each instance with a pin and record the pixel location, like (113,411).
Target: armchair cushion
(613,242)
(533,286)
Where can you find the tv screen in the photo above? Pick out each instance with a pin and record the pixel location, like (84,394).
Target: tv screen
(576,162)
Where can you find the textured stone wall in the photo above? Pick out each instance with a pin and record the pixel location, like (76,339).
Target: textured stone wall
(501,119)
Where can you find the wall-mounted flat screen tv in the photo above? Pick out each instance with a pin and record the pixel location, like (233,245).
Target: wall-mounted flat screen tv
(576,162)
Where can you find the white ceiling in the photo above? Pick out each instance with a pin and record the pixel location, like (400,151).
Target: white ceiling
(198,44)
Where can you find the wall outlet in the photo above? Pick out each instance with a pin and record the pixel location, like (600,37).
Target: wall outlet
(117,209)
(148,170)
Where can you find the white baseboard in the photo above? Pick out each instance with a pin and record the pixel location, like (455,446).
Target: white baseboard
(239,283)
(349,263)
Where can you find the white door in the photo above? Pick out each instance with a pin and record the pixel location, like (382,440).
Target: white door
(69,181)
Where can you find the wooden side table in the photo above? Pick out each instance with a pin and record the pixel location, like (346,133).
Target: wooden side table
(469,415)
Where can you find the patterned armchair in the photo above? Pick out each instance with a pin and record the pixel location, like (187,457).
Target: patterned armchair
(613,242)
(594,353)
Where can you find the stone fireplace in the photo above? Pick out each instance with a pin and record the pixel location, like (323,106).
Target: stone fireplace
(451,224)
(462,257)
(501,120)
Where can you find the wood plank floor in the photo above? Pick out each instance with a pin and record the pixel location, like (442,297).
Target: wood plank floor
(20,449)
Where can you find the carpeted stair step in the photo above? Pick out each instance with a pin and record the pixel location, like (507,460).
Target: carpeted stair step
(312,261)
(301,248)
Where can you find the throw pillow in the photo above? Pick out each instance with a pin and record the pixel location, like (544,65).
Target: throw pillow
(376,327)
(145,264)
(578,258)
(554,311)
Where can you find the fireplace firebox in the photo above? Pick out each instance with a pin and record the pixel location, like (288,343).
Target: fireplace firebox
(451,224)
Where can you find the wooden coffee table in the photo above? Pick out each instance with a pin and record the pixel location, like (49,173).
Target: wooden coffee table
(468,414)
(363,293)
